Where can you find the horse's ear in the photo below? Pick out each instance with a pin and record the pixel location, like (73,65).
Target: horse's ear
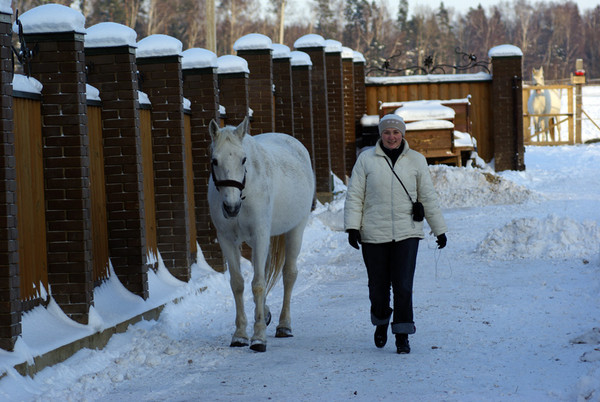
(213,129)
(242,129)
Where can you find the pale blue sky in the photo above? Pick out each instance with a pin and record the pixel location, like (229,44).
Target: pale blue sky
(462,6)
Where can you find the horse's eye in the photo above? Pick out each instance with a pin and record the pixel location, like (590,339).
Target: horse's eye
(214,162)
(243,161)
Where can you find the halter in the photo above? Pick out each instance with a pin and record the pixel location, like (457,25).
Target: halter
(228,183)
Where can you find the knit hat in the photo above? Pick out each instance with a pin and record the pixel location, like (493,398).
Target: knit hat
(392,121)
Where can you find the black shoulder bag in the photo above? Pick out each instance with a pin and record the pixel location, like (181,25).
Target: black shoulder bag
(418,212)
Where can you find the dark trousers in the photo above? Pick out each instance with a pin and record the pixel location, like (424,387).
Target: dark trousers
(392,265)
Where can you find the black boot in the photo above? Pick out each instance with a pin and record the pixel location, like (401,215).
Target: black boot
(402,345)
(381,335)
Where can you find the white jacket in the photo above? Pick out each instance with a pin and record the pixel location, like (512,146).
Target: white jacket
(378,206)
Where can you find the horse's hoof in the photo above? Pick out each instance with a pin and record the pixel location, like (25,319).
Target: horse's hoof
(268,318)
(258,346)
(238,342)
(283,333)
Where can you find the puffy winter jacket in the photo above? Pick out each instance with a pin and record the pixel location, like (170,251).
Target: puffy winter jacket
(378,206)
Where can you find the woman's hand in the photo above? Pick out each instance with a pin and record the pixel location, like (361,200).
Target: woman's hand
(441,240)
(354,238)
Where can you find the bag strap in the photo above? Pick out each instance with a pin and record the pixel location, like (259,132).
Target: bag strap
(394,172)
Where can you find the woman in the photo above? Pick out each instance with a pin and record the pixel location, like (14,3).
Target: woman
(378,214)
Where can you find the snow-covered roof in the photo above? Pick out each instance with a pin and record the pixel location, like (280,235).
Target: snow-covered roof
(481,76)
(5,7)
(310,40)
(229,64)
(26,84)
(107,34)
(429,125)
(300,58)
(51,18)
(159,45)
(358,57)
(504,51)
(424,110)
(253,41)
(198,58)
(281,51)
(333,46)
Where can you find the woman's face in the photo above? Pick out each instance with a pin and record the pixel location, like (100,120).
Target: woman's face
(391,138)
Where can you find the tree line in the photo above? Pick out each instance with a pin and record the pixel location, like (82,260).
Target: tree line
(551,35)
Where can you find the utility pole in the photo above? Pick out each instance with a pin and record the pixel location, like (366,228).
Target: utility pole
(281,20)
(211,26)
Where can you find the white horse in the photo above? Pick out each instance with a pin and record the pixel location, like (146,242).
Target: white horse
(261,186)
(543,101)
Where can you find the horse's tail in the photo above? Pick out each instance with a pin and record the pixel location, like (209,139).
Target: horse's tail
(275,261)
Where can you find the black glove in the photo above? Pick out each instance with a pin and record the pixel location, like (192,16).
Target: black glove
(354,238)
(441,240)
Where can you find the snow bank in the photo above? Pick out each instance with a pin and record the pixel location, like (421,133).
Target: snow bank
(552,237)
(463,188)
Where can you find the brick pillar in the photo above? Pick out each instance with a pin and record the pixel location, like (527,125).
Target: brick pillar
(507,98)
(302,101)
(360,95)
(349,119)
(59,65)
(335,97)
(200,86)
(163,83)
(113,70)
(233,88)
(314,46)
(282,80)
(256,49)
(10,305)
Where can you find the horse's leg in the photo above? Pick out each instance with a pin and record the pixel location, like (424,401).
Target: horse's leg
(260,250)
(232,255)
(293,243)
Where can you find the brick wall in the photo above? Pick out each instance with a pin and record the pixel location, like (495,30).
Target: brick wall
(284,110)
(320,108)
(162,82)
(360,95)
(349,113)
(335,98)
(59,65)
(260,86)
(113,71)
(200,87)
(10,306)
(303,108)
(233,95)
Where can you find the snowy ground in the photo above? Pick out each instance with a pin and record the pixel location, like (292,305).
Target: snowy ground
(509,310)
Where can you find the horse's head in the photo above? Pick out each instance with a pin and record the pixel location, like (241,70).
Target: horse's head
(537,75)
(228,164)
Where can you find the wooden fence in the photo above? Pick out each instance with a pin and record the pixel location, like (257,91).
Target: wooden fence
(556,133)
(480,93)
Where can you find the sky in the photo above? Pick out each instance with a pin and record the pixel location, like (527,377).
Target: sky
(463,6)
